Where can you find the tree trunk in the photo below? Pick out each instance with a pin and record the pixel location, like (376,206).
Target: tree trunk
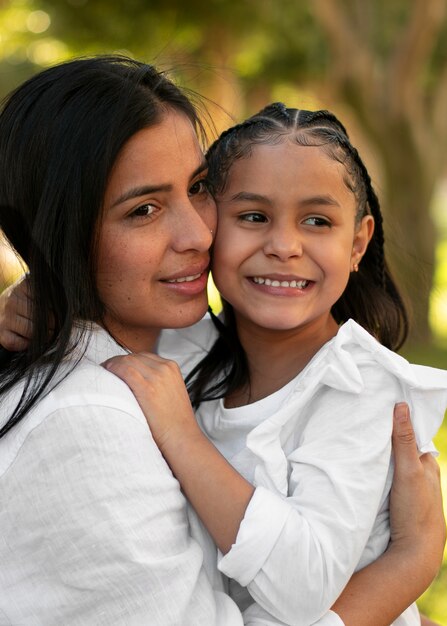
(410,239)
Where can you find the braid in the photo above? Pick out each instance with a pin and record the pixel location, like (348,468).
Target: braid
(371,296)
(378,240)
(236,142)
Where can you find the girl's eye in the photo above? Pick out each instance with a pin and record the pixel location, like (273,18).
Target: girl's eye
(145,210)
(254,218)
(315,220)
(199,187)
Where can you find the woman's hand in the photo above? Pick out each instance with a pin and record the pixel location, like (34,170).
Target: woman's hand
(416,511)
(159,389)
(15,316)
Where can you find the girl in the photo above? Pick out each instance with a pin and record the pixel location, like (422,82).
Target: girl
(293,392)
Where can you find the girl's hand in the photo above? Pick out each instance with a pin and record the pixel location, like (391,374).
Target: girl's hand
(159,389)
(218,493)
(16,327)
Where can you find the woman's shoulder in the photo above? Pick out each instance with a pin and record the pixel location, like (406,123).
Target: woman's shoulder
(80,391)
(187,346)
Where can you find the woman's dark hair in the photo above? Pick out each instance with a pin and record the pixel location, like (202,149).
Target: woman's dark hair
(60,134)
(371,297)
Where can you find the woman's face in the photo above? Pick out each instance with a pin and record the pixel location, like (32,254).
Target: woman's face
(155,236)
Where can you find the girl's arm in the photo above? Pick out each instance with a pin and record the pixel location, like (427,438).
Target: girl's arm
(221,498)
(190,456)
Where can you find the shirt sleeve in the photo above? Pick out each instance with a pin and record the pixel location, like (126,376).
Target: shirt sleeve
(296,552)
(101,527)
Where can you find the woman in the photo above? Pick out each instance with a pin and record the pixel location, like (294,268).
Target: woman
(116,236)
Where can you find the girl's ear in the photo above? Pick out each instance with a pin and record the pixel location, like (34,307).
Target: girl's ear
(362,238)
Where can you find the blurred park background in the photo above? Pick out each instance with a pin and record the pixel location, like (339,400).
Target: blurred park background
(380,65)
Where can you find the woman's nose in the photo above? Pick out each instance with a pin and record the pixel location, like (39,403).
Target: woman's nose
(194,229)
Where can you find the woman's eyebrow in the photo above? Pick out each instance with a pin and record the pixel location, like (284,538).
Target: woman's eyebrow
(143,190)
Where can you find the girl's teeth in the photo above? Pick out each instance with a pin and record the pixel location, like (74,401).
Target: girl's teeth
(299,284)
(184,279)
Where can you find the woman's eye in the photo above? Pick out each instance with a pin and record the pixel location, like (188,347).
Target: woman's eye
(254,218)
(315,220)
(145,210)
(200,186)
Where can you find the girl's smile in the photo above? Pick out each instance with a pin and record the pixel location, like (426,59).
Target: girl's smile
(278,285)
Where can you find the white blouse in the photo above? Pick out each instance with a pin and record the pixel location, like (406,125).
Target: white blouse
(319,454)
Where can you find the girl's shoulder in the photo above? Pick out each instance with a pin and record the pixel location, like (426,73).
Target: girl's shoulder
(353,340)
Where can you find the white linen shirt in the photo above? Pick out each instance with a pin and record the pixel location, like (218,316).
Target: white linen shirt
(93,525)
(319,454)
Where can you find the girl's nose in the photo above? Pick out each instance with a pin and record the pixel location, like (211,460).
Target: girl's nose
(284,243)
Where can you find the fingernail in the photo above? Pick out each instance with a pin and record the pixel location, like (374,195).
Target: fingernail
(401,412)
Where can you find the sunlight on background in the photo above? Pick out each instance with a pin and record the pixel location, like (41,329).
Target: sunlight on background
(438,308)
(438,304)
(10,266)
(20,24)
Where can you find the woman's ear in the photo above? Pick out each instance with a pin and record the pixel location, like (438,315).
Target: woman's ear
(362,238)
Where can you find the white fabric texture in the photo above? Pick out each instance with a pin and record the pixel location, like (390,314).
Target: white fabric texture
(93,526)
(320,459)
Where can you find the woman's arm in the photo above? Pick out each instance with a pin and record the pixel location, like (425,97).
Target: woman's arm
(379,593)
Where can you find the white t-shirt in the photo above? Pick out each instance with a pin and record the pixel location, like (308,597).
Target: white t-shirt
(319,454)
(93,526)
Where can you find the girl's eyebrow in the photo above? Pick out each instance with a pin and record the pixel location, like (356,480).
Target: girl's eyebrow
(324,199)
(143,190)
(248,196)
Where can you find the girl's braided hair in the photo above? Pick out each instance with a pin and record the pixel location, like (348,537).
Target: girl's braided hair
(371,297)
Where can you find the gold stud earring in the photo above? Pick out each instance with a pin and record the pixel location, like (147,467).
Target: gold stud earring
(355,267)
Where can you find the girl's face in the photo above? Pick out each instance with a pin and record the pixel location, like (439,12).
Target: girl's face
(287,238)
(154,239)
